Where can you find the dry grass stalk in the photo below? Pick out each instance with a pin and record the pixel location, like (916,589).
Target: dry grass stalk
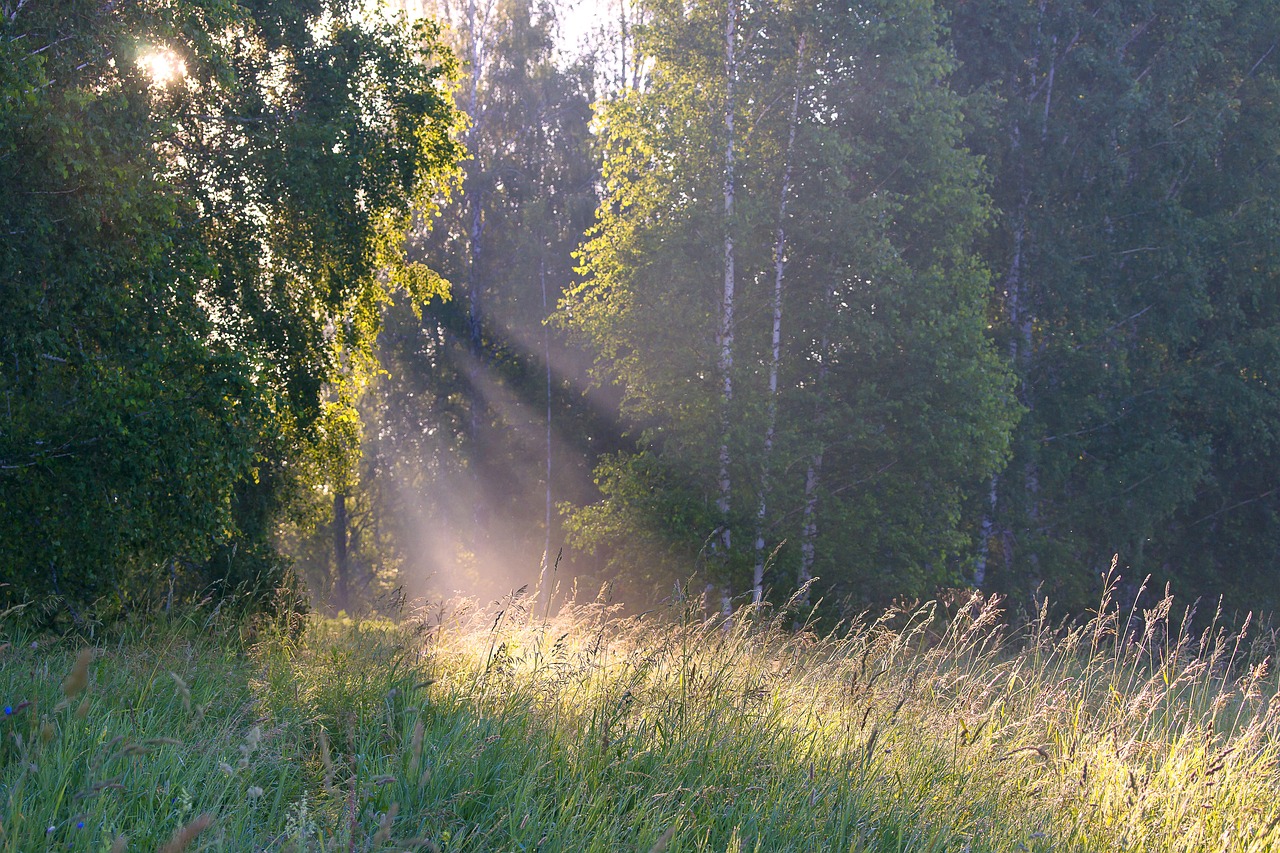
(327,761)
(183,690)
(78,679)
(185,835)
(384,826)
(415,747)
(664,840)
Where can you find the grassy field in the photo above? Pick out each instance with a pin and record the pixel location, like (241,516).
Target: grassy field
(508,730)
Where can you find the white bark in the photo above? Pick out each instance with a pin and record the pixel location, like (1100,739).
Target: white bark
(988,528)
(775,357)
(813,475)
(727,300)
(809,527)
(546,358)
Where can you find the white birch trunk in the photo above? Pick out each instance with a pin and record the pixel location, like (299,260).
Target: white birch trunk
(809,526)
(726,333)
(545,574)
(987,530)
(813,474)
(775,357)
(477,19)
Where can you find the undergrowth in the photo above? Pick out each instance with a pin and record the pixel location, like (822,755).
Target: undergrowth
(507,729)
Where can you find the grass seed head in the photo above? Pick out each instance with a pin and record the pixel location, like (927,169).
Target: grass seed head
(415,747)
(183,690)
(384,826)
(664,840)
(183,837)
(78,679)
(326,760)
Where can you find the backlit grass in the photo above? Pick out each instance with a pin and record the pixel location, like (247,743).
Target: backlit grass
(505,730)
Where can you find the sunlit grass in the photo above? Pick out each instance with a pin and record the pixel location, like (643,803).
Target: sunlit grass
(506,729)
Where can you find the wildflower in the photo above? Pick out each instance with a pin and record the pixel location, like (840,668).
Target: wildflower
(8,710)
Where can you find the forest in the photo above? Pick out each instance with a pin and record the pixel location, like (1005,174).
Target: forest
(849,301)
(683,426)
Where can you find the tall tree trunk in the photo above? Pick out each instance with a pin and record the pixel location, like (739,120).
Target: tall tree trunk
(1020,319)
(775,358)
(809,524)
(544,576)
(623,37)
(987,531)
(724,338)
(813,473)
(726,333)
(477,20)
(341,561)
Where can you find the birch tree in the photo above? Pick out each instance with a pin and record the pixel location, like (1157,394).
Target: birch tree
(884,300)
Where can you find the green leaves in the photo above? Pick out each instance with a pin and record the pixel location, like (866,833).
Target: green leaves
(189,264)
(887,375)
(1118,155)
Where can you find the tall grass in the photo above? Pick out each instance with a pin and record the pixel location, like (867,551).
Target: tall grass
(503,729)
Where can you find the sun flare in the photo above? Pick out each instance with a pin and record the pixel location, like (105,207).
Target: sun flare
(164,66)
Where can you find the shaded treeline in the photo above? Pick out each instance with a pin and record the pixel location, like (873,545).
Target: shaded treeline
(896,294)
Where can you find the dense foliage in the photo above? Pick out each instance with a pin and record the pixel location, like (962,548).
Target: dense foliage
(899,294)
(476,427)
(201,206)
(844,374)
(1129,156)
(1134,150)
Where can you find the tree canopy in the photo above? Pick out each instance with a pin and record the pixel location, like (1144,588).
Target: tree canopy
(203,206)
(853,233)
(897,294)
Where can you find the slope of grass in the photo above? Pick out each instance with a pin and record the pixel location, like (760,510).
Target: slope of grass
(505,730)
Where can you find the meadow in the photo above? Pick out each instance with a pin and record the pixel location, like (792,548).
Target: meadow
(513,728)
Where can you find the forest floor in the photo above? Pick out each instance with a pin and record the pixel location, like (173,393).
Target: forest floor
(508,730)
